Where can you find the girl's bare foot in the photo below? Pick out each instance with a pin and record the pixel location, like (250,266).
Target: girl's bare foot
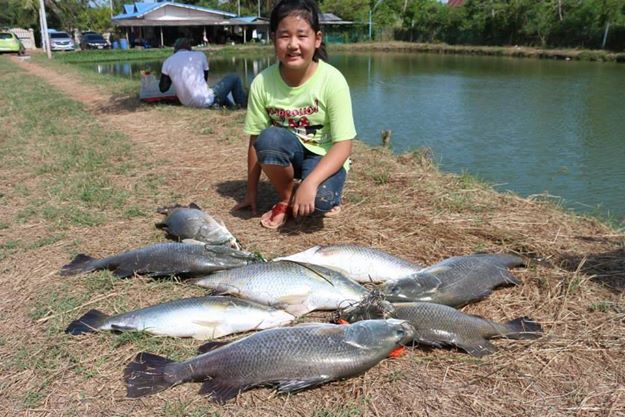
(275,217)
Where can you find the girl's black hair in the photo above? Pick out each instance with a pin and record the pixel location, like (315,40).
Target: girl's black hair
(306,9)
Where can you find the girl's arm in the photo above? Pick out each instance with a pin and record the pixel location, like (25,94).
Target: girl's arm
(253,175)
(304,200)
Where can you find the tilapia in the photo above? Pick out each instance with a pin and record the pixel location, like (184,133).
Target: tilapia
(198,317)
(191,223)
(455,281)
(291,358)
(291,286)
(359,263)
(440,325)
(164,259)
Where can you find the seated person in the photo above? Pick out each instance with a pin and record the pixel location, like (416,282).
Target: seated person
(188,71)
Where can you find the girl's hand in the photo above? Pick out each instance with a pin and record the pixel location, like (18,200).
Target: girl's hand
(248,201)
(304,201)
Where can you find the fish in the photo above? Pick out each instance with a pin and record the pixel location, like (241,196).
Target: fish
(163,259)
(191,224)
(291,358)
(294,287)
(455,281)
(360,263)
(201,318)
(439,325)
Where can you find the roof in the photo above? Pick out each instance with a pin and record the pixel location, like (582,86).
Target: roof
(332,19)
(455,3)
(139,10)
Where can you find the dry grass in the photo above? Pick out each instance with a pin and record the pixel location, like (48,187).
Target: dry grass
(573,285)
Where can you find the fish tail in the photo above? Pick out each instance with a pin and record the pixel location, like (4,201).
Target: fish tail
(145,375)
(81,263)
(91,321)
(523,328)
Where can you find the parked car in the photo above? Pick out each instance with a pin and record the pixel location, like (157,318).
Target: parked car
(93,40)
(61,41)
(9,42)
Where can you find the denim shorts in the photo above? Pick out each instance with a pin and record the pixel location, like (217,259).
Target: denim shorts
(279,146)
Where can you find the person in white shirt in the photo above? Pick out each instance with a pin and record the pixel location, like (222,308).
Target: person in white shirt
(187,70)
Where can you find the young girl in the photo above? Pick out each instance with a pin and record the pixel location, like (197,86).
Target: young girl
(299,119)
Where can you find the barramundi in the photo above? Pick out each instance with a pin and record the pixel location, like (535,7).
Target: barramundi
(192,223)
(291,358)
(164,259)
(455,281)
(295,287)
(440,325)
(198,317)
(362,264)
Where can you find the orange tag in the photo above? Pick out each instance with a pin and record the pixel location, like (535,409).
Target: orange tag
(397,352)
(341,321)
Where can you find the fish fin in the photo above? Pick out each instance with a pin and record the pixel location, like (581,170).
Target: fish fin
(121,272)
(145,375)
(480,347)
(296,310)
(193,242)
(120,328)
(81,263)
(194,206)
(523,328)
(207,347)
(89,322)
(161,225)
(221,391)
(508,278)
(299,384)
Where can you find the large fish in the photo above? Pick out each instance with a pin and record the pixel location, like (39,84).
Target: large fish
(164,259)
(191,223)
(359,263)
(440,325)
(291,286)
(455,281)
(293,358)
(199,317)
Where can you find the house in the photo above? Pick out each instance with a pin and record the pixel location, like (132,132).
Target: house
(455,3)
(161,23)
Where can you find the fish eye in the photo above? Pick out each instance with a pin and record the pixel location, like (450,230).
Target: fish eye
(395,290)
(401,333)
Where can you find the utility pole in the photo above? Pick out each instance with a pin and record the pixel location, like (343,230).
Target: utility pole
(45,38)
(371,10)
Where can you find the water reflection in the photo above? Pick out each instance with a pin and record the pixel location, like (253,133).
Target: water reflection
(530,126)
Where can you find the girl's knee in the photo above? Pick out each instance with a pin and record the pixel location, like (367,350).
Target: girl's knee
(269,139)
(327,198)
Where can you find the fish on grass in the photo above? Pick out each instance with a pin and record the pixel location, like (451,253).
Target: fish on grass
(440,325)
(360,263)
(290,358)
(295,287)
(198,317)
(191,223)
(455,281)
(163,259)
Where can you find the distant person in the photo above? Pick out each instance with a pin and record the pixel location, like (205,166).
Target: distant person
(187,70)
(299,120)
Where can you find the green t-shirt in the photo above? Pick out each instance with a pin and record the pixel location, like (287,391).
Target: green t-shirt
(319,111)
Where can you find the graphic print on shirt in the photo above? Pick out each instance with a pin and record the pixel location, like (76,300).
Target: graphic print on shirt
(297,121)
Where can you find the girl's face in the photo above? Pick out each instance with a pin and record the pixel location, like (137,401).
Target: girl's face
(295,43)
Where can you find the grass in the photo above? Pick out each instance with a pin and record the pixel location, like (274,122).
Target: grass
(88,180)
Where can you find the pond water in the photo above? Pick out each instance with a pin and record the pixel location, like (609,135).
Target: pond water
(529,126)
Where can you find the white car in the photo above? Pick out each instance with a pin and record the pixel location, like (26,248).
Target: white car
(61,41)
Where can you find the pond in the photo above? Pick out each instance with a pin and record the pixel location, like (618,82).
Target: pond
(555,128)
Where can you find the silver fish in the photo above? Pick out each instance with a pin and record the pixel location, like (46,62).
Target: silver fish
(291,286)
(198,317)
(293,358)
(359,263)
(440,325)
(191,223)
(163,259)
(455,281)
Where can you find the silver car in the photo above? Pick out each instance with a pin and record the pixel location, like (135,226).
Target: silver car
(61,41)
